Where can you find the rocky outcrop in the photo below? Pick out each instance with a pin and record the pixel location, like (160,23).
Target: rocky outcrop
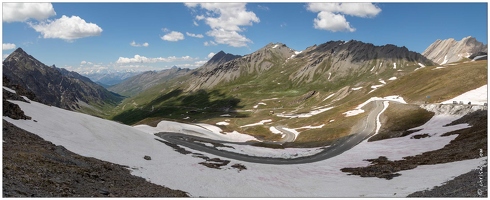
(54,86)
(450,50)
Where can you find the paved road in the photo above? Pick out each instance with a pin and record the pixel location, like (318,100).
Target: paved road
(366,129)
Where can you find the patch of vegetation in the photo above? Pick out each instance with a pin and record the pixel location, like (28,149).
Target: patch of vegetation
(399,118)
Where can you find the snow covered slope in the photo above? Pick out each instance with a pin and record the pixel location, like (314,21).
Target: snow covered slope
(126,145)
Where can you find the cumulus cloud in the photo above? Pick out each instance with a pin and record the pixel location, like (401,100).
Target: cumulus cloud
(331,16)
(21,12)
(143,59)
(134,44)
(173,36)
(332,22)
(8,46)
(232,38)
(225,21)
(210,55)
(67,28)
(194,35)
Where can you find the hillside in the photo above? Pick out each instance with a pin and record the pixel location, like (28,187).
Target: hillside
(450,50)
(277,79)
(56,86)
(138,83)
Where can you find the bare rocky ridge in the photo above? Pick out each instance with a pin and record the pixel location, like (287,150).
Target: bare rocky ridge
(54,86)
(450,50)
(340,59)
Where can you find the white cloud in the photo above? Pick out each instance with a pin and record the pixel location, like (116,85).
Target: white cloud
(263,7)
(134,44)
(225,21)
(87,63)
(143,59)
(173,36)
(195,23)
(200,63)
(210,55)
(194,35)
(8,46)
(353,9)
(331,16)
(21,12)
(332,22)
(232,38)
(67,28)
(165,30)
(210,43)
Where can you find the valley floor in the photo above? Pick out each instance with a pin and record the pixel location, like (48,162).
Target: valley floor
(124,145)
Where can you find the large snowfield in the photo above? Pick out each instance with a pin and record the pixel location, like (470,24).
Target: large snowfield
(117,143)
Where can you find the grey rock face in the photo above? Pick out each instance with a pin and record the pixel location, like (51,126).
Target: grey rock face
(450,50)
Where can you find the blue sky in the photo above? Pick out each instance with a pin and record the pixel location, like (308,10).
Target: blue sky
(152,36)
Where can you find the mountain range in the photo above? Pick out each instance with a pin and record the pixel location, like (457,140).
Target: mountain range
(56,86)
(332,109)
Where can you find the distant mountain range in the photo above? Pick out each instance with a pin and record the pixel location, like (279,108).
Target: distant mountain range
(56,86)
(110,78)
(450,50)
(138,83)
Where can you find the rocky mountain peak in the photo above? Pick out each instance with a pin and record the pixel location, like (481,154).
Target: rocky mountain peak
(54,86)
(450,50)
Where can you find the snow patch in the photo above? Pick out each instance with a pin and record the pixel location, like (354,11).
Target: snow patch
(271,153)
(275,46)
(392,78)
(274,130)
(225,115)
(258,123)
(445,60)
(394,65)
(304,115)
(382,81)
(329,75)
(329,96)
(223,123)
(373,68)
(357,88)
(10,90)
(359,110)
(478,57)
(378,123)
(477,96)
(260,103)
(124,145)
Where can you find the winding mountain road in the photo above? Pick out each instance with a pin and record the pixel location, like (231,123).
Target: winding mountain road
(366,129)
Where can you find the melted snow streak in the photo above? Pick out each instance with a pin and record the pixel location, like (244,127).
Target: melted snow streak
(10,90)
(359,110)
(304,115)
(125,145)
